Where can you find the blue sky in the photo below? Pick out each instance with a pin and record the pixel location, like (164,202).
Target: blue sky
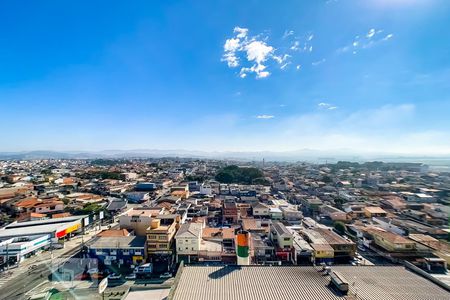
(363,75)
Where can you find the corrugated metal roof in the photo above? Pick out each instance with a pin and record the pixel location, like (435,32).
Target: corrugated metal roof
(298,283)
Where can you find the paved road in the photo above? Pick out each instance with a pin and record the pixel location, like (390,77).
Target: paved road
(22,280)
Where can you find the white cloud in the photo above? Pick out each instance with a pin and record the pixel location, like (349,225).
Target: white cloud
(298,67)
(371,33)
(231,44)
(258,69)
(295,46)
(284,66)
(231,59)
(253,52)
(281,59)
(328,106)
(265,117)
(288,33)
(319,62)
(388,37)
(310,37)
(369,40)
(241,32)
(258,51)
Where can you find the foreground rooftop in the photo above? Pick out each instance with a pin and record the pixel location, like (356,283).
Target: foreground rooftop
(297,283)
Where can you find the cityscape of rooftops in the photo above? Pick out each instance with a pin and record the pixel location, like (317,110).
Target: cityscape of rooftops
(214,150)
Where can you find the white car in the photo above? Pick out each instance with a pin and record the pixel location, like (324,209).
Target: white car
(131,276)
(166,275)
(114,276)
(93,271)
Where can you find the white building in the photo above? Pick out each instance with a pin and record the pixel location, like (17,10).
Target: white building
(205,189)
(188,240)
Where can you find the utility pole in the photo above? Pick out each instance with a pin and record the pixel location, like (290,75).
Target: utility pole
(7,257)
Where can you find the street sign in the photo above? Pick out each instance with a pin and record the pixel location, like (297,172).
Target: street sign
(101,216)
(102,285)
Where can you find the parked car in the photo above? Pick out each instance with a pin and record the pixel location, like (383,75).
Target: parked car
(114,276)
(131,276)
(165,275)
(93,271)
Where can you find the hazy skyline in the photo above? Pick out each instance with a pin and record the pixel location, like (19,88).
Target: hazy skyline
(370,76)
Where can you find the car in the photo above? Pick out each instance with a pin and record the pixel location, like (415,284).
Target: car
(114,276)
(93,271)
(166,275)
(358,256)
(131,276)
(361,248)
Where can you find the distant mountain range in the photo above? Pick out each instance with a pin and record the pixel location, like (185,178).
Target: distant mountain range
(298,155)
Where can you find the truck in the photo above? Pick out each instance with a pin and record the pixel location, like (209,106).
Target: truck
(144,270)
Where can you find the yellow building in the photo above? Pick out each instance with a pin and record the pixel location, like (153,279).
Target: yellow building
(392,242)
(160,238)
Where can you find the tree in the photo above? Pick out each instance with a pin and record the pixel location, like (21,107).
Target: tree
(339,227)
(235,174)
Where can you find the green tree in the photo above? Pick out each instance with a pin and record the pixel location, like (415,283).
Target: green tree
(339,227)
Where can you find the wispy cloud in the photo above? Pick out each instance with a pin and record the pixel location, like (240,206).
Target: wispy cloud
(252,52)
(328,106)
(319,62)
(371,38)
(303,44)
(288,33)
(265,117)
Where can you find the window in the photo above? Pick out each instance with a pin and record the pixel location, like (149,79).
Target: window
(287,239)
(161,237)
(152,246)
(152,237)
(162,246)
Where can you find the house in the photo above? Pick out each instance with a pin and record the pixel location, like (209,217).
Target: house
(343,249)
(188,240)
(138,219)
(260,210)
(39,206)
(275,213)
(218,244)
(137,197)
(49,206)
(261,227)
(283,240)
(291,214)
(230,212)
(333,214)
(262,249)
(374,211)
(116,205)
(206,189)
(391,242)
